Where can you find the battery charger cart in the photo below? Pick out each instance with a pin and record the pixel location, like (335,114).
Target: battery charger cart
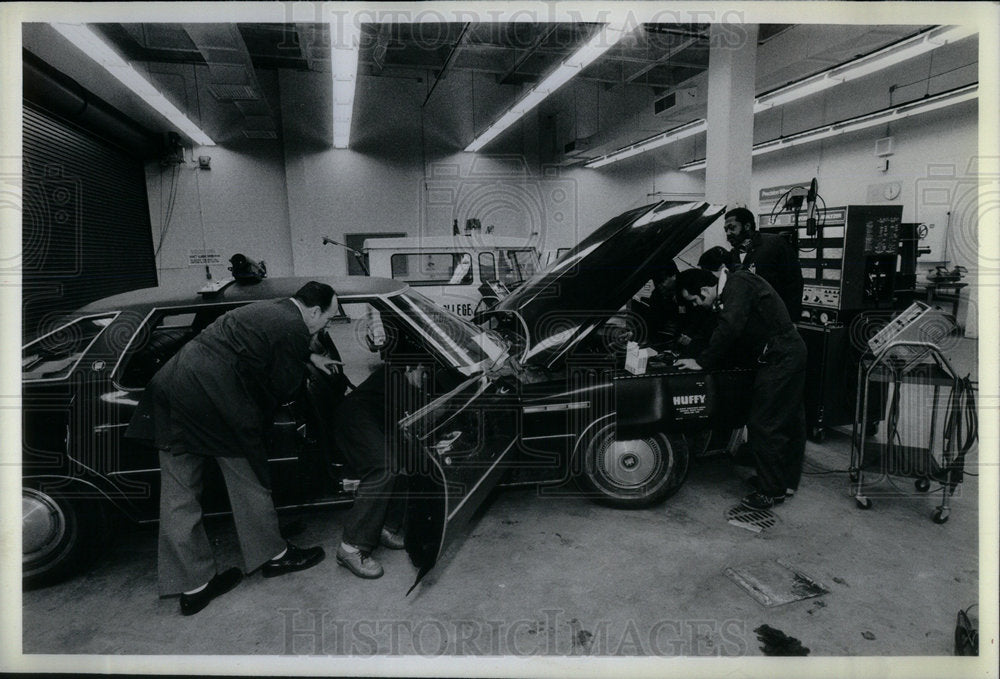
(906,351)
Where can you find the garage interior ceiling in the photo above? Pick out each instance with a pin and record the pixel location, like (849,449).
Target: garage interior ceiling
(656,59)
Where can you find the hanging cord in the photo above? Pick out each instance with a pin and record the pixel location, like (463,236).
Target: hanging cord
(961,416)
(171,201)
(930,74)
(893,440)
(774,208)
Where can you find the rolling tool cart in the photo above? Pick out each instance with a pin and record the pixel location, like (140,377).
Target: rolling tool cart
(905,352)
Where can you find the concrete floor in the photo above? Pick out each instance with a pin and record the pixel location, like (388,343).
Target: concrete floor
(539,575)
(543,576)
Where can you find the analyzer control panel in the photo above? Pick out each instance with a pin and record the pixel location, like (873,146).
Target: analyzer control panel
(848,257)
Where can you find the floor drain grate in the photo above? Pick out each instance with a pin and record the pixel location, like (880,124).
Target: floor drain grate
(756,520)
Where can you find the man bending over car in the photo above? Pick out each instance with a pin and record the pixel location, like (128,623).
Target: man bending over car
(753,321)
(214,400)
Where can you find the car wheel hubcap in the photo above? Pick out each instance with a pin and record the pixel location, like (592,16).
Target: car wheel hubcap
(629,464)
(43,524)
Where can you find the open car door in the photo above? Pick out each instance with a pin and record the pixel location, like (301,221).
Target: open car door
(463,441)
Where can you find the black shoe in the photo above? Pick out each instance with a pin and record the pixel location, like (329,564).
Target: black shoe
(217,586)
(753,483)
(392,539)
(294,559)
(758,500)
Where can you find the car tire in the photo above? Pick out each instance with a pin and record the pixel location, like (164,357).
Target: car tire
(632,474)
(59,536)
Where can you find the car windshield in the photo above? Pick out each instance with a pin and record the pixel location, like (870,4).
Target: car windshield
(54,355)
(466,346)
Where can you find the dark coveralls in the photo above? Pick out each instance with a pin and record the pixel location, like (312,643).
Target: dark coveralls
(753,322)
(687,327)
(774,259)
(216,398)
(367,436)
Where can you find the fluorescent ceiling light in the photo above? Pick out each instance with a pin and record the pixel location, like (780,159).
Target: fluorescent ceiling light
(345,38)
(851,70)
(598,44)
(877,118)
(662,139)
(693,166)
(95,48)
(862,66)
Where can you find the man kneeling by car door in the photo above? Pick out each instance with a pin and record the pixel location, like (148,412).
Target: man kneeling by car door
(753,319)
(214,398)
(371,443)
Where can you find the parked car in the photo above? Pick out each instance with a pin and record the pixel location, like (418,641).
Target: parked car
(537,394)
(560,405)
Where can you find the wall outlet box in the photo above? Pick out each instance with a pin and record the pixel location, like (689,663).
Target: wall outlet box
(883,147)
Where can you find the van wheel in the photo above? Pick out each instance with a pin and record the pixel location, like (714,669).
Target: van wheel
(634,473)
(59,536)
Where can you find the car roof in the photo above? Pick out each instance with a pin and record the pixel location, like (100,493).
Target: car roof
(347,287)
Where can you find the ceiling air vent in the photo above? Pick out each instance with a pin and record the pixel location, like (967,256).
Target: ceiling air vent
(577,146)
(673,99)
(663,103)
(260,134)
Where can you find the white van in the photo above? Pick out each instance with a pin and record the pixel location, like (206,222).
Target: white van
(451,269)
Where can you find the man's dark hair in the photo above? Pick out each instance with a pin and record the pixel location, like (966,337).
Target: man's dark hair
(664,271)
(714,258)
(743,216)
(314,293)
(692,281)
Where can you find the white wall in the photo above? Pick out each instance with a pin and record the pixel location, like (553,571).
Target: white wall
(408,187)
(932,167)
(237,206)
(933,163)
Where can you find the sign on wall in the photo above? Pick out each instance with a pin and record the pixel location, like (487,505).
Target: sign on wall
(201,257)
(772,193)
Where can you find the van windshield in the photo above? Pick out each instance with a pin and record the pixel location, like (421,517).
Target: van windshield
(513,268)
(523,265)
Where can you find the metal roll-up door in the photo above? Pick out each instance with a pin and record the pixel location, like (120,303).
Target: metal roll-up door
(85,226)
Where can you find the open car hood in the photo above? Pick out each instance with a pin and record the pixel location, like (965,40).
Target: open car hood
(565,303)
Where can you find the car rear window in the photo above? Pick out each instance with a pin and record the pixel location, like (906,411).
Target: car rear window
(54,355)
(162,336)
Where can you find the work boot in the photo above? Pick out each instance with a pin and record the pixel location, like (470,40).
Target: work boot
(361,564)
